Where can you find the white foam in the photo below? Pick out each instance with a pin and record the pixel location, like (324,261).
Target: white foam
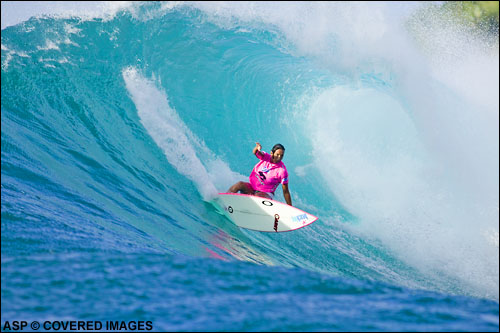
(376,162)
(14,12)
(181,147)
(169,132)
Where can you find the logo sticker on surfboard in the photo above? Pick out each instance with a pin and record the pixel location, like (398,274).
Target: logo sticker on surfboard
(302,218)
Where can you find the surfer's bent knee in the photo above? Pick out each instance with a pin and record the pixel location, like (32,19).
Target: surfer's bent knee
(263,195)
(242,187)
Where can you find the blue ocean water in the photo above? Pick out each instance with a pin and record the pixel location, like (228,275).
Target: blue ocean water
(118,129)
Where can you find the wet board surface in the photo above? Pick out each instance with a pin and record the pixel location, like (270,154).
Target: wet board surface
(262,214)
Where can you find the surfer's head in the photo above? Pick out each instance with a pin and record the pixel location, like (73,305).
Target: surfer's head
(277,153)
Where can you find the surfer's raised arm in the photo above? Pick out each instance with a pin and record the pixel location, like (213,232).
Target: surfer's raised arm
(257,148)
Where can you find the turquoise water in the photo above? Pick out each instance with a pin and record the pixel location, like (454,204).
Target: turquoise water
(118,130)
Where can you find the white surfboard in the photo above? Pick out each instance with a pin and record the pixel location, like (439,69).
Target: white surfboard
(262,214)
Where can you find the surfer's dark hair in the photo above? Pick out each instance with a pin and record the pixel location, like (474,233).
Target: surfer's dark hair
(277,146)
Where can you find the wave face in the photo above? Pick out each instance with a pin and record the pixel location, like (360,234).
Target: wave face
(118,129)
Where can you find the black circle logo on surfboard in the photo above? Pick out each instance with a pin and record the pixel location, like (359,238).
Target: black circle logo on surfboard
(267,203)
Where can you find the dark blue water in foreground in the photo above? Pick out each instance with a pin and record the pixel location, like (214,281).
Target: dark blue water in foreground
(117,132)
(180,293)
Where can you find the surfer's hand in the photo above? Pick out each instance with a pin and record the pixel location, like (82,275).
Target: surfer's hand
(257,149)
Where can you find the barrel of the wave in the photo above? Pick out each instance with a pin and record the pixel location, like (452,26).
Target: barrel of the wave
(261,214)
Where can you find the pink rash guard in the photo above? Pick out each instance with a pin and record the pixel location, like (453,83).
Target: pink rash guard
(266,176)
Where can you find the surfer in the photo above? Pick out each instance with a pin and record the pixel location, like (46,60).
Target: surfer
(266,175)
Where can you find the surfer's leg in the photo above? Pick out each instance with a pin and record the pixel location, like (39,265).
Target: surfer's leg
(263,195)
(242,187)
